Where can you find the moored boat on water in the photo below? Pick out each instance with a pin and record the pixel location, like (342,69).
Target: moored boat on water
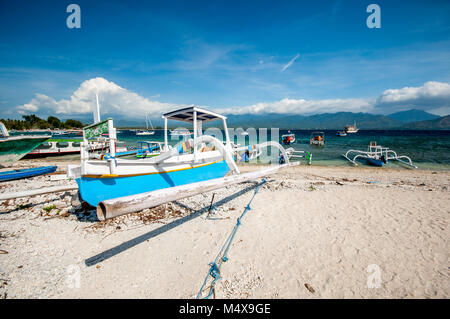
(341,133)
(288,138)
(351,128)
(377,155)
(147,131)
(317,138)
(180,133)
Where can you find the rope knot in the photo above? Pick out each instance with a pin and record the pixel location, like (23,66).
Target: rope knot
(214,270)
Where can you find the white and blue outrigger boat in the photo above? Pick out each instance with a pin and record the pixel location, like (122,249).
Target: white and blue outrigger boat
(192,161)
(377,155)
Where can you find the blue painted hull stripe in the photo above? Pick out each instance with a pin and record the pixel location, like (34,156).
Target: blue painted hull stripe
(95,190)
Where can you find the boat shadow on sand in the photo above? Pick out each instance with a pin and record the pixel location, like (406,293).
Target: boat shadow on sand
(142,238)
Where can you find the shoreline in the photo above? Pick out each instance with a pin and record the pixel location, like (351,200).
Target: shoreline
(315,225)
(335,163)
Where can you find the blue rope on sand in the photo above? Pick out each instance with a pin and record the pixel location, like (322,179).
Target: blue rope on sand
(214,270)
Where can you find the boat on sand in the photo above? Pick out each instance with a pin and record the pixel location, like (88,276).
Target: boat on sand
(26,173)
(194,160)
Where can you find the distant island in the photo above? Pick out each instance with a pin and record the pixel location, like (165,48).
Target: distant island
(32,121)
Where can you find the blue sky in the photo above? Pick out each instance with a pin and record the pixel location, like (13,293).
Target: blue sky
(233,56)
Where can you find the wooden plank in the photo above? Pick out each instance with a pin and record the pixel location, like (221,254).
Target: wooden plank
(39,191)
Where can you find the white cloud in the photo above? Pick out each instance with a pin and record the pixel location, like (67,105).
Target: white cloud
(290,62)
(117,101)
(302,106)
(114,100)
(431,95)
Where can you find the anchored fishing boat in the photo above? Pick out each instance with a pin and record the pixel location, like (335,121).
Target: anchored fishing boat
(351,128)
(192,161)
(147,131)
(377,155)
(59,132)
(180,133)
(13,148)
(317,138)
(288,138)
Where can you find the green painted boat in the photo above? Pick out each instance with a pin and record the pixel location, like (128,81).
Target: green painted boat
(13,148)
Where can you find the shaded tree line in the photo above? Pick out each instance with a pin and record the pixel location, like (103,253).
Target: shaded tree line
(34,122)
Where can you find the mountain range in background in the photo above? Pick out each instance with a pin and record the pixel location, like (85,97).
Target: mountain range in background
(410,120)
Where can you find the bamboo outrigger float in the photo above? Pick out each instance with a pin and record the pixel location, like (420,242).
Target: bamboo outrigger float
(118,186)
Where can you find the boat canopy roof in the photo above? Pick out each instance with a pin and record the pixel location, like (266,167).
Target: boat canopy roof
(187,115)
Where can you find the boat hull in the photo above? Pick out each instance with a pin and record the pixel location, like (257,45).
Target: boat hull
(96,189)
(14,148)
(25,173)
(49,154)
(375,162)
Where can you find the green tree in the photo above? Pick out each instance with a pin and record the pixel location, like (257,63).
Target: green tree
(32,119)
(54,122)
(69,123)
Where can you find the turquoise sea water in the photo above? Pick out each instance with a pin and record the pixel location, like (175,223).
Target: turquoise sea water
(427,149)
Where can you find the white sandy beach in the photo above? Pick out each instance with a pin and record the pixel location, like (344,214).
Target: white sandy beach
(319,226)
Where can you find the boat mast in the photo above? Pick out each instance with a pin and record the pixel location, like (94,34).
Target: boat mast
(195,135)
(151,124)
(97,110)
(166,145)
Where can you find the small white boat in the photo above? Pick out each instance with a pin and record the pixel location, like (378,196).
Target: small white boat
(147,131)
(351,128)
(59,133)
(341,133)
(180,133)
